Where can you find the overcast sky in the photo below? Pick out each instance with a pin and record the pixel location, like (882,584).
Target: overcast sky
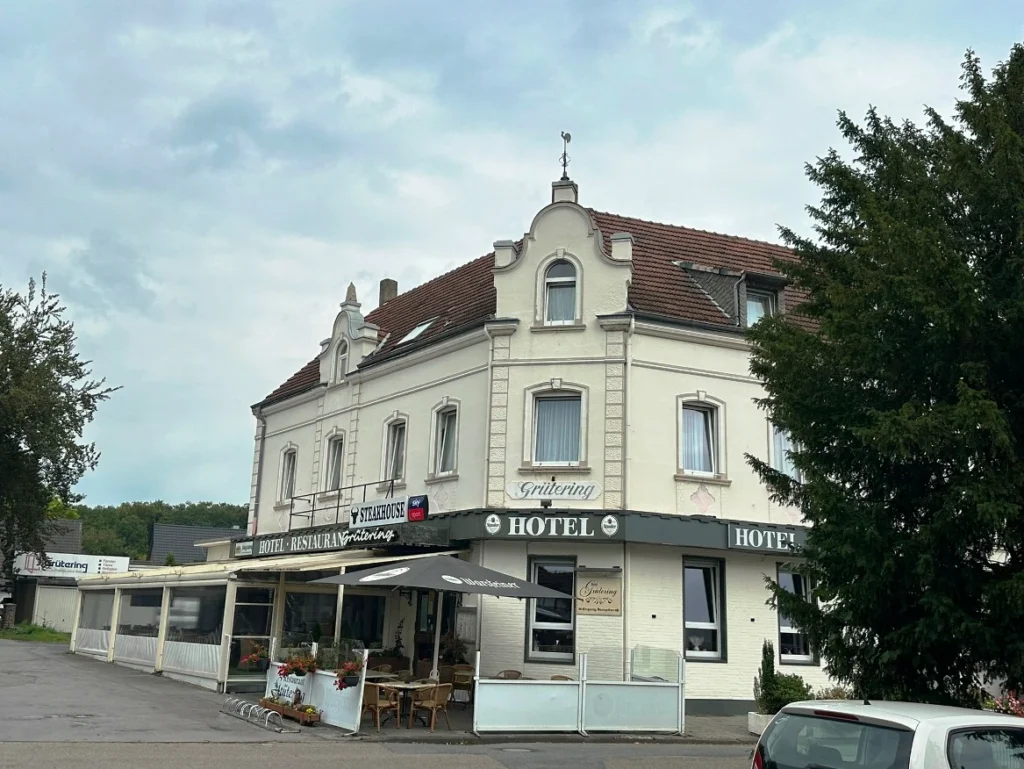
(201,180)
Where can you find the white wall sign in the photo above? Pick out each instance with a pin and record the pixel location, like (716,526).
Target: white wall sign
(749,538)
(569,491)
(69,565)
(383,512)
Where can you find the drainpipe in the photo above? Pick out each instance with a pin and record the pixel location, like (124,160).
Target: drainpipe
(262,420)
(626,561)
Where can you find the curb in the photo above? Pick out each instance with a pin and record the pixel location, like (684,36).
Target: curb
(466,738)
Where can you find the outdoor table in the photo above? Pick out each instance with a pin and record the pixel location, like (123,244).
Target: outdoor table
(405,690)
(372,676)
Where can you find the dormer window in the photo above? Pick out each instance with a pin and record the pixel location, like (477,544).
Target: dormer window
(416,331)
(341,361)
(560,293)
(760,304)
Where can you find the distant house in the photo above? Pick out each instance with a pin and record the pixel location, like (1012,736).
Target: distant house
(181,541)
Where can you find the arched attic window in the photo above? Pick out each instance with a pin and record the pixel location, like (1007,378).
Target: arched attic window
(341,361)
(560,293)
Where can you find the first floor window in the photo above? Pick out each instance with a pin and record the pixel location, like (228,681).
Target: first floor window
(335,463)
(444,460)
(556,434)
(288,475)
(793,644)
(362,619)
(781,446)
(551,620)
(698,443)
(702,610)
(395,469)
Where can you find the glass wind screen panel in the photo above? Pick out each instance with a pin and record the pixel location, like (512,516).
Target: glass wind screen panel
(139,614)
(254,595)
(557,430)
(309,617)
(196,615)
(252,619)
(698,437)
(97,609)
(446,441)
(758,306)
(362,619)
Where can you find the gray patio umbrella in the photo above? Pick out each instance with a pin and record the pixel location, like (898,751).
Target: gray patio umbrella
(444,573)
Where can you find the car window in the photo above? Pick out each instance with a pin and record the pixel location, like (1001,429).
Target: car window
(796,741)
(986,749)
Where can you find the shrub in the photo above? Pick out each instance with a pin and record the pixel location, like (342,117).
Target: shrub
(772,690)
(836,692)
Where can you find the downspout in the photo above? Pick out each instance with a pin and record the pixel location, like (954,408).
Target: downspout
(262,420)
(626,561)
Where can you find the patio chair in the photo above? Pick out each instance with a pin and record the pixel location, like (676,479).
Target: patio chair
(379,699)
(462,681)
(434,699)
(445,674)
(560,677)
(509,675)
(382,669)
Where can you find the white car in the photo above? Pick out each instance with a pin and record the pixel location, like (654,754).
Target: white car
(851,734)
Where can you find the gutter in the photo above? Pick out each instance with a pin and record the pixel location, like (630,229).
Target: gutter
(262,420)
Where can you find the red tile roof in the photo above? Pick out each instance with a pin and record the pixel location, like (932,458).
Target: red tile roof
(465,297)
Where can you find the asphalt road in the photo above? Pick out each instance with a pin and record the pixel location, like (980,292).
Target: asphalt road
(59,710)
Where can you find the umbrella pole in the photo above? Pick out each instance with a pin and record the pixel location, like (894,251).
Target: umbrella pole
(437,634)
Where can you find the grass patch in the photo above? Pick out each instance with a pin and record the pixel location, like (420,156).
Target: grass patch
(26,631)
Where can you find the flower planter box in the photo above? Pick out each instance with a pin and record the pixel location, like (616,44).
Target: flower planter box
(758,722)
(304,718)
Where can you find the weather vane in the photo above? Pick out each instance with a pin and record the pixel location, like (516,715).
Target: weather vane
(566,138)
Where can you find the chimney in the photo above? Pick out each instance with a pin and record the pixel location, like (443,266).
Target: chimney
(504,253)
(388,291)
(622,247)
(564,190)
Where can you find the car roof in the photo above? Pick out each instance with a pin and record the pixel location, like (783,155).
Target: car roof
(908,714)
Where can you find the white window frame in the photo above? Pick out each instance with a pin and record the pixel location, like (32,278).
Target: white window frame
(545,282)
(341,361)
(771,296)
(329,462)
(532,624)
(716,571)
(441,414)
(549,396)
(289,467)
(779,462)
(802,659)
(387,452)
(701,402)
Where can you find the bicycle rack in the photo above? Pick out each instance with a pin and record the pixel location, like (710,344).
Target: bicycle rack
(256,715)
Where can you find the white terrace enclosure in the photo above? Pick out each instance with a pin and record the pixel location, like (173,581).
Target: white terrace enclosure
(578,405)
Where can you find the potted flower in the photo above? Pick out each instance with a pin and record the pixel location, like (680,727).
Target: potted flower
(298,665)
(348,674)
(257,659)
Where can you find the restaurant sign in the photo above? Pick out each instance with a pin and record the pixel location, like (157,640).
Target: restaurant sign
(330,538)
(763,540)
(599,595)
(570,491)
(590,526)
(388,512)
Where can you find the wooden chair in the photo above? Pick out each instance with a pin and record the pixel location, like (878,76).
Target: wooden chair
(560,677)
(434,699)
(509,675)
(462,681)
(379,699)
(445,674)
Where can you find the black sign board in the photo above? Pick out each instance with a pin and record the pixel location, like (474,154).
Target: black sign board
(530,525)
(325,539)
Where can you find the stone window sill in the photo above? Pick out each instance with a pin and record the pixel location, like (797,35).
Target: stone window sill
(441,478)
(581,469)
(711,480)
(399,485)
(559,327)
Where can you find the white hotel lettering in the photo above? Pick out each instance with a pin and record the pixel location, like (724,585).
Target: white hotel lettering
(768,539)
(553,526)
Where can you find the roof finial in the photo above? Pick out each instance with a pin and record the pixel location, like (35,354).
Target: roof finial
(566,138)
(350,295)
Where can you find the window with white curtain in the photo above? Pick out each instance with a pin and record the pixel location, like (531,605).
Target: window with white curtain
(288,474)
(395,457)
(335,462)
(760,304)
(341,361)
(702,610)
(446,435)
(781,446)
(556,430)
(560,293)
(550,621)
(698,444)
(793,644)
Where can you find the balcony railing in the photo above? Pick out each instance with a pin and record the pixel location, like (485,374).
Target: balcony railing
(317,509)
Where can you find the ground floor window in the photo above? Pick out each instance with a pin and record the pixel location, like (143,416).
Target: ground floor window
(702,609)
(97,609)
(139,614)
(254,612)
(309,618)
(362,619)
(551,621)
(196,615)
(793,644)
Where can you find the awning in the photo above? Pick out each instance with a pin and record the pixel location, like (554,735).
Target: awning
(217,572)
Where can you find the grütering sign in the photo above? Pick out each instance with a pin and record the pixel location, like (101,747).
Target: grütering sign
(68,566)
(599,595)
(762,540)
(554,490)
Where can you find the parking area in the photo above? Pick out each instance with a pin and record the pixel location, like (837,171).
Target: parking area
(48,695)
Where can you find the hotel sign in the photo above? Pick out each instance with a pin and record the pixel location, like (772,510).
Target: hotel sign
(763,540)
(331,538)
(569,491)
(591,526)
(599,595)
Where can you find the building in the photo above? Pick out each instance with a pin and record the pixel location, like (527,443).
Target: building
(167,539)
(575,408)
